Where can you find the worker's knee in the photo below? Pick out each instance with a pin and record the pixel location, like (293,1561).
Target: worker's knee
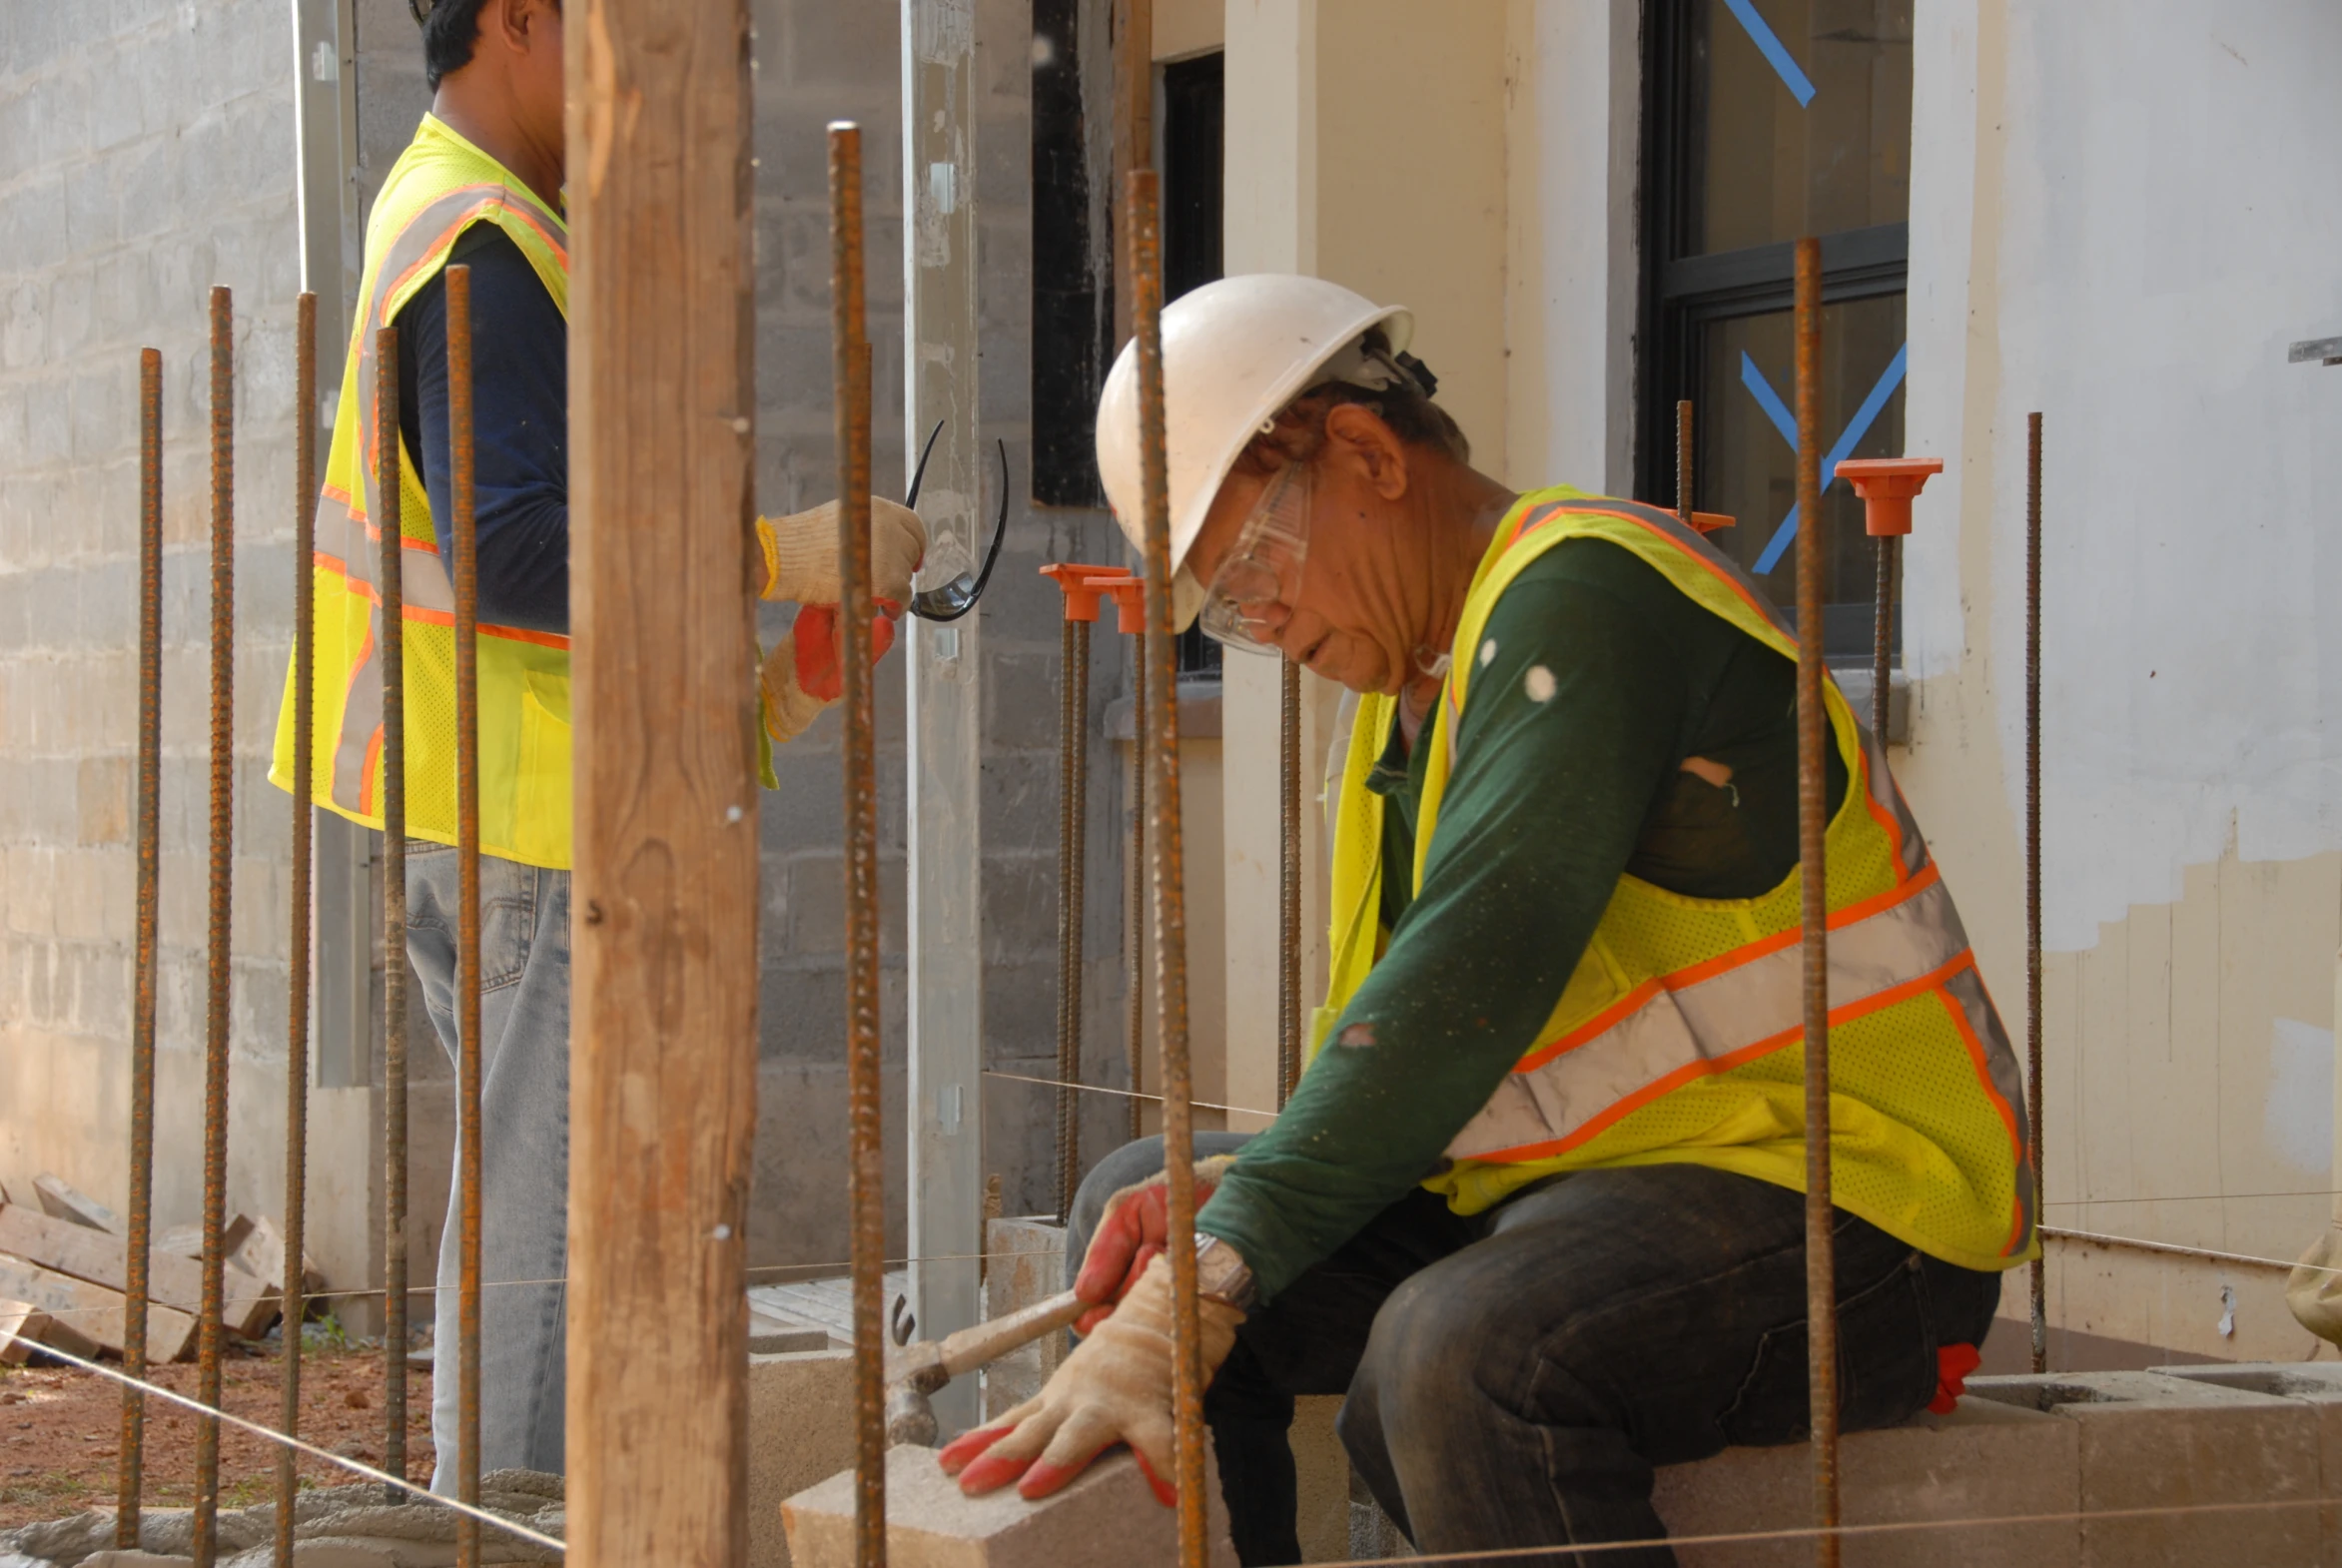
(1427,1343)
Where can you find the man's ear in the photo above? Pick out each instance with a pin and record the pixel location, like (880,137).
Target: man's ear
(1356,434)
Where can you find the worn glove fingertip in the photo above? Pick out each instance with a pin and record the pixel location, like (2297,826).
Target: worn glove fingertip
(971,1445)
(1165,1493)
(990,1472)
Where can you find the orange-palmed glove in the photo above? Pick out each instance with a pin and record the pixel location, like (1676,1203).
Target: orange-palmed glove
(1114,1388)
(1131,1235)
(805,672)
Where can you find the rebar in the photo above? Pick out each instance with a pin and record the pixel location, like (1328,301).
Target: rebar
(1135,914)
(392,646)
(2038,1280)
(220,934)
(305,525)
(1813,810)
(130,1478)
(865,1171)
(1159,735)
(1683,462)
(462,525)
(1882,627)
(1289,881)
(1072,782)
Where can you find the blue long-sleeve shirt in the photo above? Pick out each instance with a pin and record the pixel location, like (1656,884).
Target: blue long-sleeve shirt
(520,423)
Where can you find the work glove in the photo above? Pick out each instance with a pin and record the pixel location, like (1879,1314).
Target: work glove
(798,555)
(805,672)
(1131,1235)
(1114,1388)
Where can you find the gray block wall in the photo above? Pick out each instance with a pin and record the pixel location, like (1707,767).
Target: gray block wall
(145,153)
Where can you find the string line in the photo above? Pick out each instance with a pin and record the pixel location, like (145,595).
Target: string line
(356,1467)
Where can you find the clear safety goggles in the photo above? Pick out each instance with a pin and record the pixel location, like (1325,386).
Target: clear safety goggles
(1252,595)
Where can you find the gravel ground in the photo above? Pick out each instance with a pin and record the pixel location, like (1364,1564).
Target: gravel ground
(61,1431)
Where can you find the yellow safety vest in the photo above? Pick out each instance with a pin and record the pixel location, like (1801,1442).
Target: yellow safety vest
(441,186)
(1678,1036)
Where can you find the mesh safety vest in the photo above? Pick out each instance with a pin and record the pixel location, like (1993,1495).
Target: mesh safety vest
(441,186)
(1678,1036)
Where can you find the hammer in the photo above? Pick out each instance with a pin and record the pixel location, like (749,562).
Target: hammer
(915,1372)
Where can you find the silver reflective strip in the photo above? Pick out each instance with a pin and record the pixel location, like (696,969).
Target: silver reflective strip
(1711,1019)
(1967,990)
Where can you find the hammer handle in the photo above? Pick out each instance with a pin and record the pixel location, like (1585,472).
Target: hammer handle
(980,1343)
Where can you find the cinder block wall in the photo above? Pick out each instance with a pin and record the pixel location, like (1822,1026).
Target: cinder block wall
(145,153)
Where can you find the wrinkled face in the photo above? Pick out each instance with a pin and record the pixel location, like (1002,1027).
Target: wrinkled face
(1360,602)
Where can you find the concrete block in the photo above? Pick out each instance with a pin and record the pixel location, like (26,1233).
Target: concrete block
(1026,1264)
(1984,1460)
(2149,1441)
(800,1429)
(1107,1519)
(2317,1384)
(1323,1470)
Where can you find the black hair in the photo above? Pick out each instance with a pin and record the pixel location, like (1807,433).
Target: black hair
(449,28)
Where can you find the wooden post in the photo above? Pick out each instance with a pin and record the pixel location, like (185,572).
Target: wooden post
(663,993)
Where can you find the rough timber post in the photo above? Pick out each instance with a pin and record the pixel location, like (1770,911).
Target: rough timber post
(942,666)
(664,896)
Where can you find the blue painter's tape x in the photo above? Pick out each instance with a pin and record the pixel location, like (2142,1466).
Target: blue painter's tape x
(1856,429)
(1775,53)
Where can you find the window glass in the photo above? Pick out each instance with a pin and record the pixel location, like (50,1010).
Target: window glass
(1801,119)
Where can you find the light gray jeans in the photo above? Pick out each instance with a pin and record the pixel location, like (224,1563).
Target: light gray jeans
(524,1152)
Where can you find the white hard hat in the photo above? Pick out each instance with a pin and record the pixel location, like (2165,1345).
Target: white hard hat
(1235,352)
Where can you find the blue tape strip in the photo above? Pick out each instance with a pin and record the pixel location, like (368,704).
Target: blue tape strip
(1856,429)
(1775,53)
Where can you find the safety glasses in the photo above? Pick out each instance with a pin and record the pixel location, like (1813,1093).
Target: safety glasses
(1252,595)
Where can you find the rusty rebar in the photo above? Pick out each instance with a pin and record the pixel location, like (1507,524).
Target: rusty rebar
(1813,810)
(464,527)
(1135,912)
(130,1476)
(1289,880)
(865,1169)
(2038,1272)
(305,528)
(1882,627)
(220,934)
(1683,462)
(392,589)
(1159,736)
(1073,780)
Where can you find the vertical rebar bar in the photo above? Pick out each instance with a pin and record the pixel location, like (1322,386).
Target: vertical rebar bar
(305,523)
(2037,1272)
(1812,809)
(130,1478)
(220,934)
(1135,917)
(1289,881)
(1158,734)
(467,1030)
(393,652)
(1882,627)
(1683,462)
(1073,780)
(865,1171)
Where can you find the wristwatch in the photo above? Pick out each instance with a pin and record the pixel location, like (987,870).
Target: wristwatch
(1222,1274)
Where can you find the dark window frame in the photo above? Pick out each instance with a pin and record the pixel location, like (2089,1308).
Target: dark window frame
(1682,294)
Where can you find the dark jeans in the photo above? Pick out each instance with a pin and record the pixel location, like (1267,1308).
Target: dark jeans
(1514,1375)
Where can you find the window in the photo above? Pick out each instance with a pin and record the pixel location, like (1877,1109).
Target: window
(1193,96)
(1768,120)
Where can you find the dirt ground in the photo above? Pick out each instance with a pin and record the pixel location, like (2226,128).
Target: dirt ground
(61,1431)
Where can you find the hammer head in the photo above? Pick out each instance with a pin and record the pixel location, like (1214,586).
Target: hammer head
(911,1409)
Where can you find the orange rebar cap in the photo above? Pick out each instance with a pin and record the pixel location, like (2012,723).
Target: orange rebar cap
(1887,485)
(1081,585)
(1130,595)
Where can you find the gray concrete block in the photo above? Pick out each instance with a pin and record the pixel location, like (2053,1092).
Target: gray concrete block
(1026,1264)
(2317,1384)
(1108,1518)
(800,1429)
(2151,1442)
(1983,1462)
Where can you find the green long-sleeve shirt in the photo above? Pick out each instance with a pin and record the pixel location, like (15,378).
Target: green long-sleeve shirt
(1603,679)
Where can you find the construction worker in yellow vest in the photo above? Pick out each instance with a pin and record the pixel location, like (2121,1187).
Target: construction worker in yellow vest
(482,186)
(1534,1206)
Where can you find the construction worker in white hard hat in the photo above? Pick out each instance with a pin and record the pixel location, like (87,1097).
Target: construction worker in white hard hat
(480,185)
(1534,1206)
